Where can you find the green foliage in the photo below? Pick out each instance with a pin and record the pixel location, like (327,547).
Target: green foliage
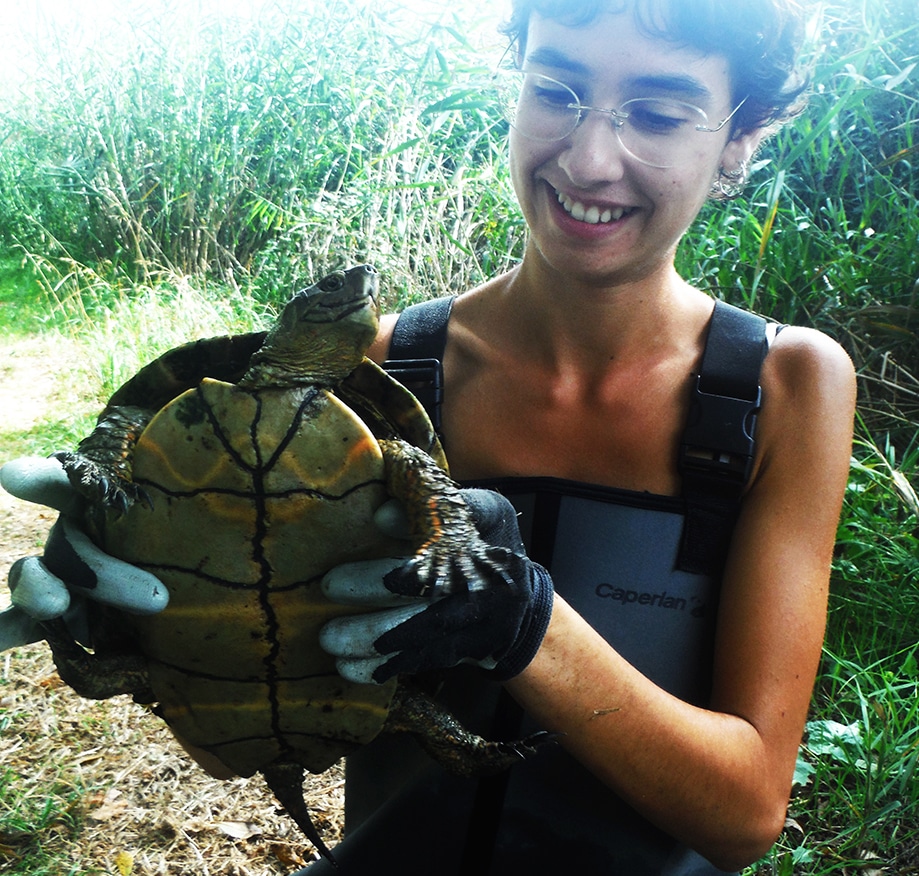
(26,821)
(268,147)
(829,228)
(22,302)
(857,800)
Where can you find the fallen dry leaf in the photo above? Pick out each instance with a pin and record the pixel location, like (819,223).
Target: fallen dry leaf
(288,856)
(113,805)
(125,863)
(239,829)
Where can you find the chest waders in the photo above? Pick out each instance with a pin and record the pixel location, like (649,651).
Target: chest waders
(644,570)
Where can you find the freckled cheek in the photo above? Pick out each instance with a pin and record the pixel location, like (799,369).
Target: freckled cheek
(696,173)
(526,156)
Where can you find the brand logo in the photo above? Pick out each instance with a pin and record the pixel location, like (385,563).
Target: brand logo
(651,600)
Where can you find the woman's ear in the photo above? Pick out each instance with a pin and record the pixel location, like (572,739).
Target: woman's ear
(740,149)
(731,178)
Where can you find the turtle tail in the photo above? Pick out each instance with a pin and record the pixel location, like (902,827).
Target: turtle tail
(285,780)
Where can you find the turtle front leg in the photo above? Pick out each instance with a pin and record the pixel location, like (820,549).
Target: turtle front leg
(450,556)
(101,467)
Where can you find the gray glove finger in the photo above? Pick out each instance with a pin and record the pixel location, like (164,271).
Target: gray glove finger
(361,583)
(36,591)
(40,596)
(42,481)
(360,671)
(353,636)
(18,629)
(71,556)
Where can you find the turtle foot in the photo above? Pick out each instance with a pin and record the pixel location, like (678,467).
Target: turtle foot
(96,676)
(285,780)
(101,484)
(447,741)
(439,569)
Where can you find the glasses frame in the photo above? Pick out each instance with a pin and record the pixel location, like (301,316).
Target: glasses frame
(617,117)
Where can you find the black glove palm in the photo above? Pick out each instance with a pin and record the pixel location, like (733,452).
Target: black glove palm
(498,626)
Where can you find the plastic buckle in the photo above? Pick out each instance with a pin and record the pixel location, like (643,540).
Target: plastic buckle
(717,443)
(424,378)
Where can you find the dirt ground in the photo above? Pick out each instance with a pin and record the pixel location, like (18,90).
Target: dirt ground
(127,800)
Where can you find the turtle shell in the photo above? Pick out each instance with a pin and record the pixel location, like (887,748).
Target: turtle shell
(255,494)
(254,486)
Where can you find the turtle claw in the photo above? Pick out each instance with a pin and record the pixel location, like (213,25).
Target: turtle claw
(100,484)
(435,572)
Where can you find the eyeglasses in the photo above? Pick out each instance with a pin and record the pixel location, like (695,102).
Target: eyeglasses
(653,130)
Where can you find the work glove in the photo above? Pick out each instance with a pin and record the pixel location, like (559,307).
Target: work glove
(72,573)
(497,623)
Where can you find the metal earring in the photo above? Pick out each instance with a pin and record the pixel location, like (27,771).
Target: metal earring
(729,184)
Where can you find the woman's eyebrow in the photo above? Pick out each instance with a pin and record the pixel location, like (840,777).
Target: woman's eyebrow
(673,83)
(546,56)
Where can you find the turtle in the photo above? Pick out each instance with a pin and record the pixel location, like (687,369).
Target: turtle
(238,470)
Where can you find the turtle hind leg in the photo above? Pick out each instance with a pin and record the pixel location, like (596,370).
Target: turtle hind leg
(285,780)
(96,676)
(445,739)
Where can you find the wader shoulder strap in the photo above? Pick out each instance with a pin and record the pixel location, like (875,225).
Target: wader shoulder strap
(416,353)
(716,451)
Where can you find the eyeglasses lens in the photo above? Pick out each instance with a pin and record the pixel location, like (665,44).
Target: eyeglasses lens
(655,131)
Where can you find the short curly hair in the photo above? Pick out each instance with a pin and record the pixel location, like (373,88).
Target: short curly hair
(759,38)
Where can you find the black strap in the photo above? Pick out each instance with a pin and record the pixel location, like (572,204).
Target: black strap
(421,330)
(416,353)
(717,446)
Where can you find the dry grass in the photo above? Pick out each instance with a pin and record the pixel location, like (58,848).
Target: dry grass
(128,798)
(121,795)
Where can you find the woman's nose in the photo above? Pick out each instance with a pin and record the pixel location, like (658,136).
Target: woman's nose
(592,153)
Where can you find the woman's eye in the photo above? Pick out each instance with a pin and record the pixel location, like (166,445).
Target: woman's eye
(657,119)
(553,97)
(550,93)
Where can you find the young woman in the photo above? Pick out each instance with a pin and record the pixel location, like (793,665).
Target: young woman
(669,633)
(577,368)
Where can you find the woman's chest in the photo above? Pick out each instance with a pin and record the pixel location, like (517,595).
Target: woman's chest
(625,434)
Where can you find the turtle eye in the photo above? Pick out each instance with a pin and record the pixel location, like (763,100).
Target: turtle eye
(333,282)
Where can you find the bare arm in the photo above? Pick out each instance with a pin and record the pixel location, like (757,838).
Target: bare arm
(719,779)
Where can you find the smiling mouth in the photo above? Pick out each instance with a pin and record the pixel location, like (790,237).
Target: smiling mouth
(592,215)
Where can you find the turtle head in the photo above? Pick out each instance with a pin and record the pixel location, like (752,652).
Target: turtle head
(322,333)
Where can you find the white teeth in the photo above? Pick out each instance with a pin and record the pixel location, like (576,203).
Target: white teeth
(591,215)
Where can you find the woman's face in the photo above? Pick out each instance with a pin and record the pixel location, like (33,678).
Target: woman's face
(595,212)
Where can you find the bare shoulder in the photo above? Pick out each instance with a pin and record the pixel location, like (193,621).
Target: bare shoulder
(798,348)
(808,403)
(379,349)
(806,364)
